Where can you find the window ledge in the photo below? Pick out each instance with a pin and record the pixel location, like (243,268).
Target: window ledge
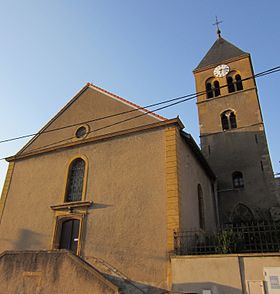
(71,205)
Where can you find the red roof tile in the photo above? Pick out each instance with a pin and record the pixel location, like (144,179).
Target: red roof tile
(128,102)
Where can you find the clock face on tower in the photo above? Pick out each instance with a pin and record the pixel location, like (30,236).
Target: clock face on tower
(221,71)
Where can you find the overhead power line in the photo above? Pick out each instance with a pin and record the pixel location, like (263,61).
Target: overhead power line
(183,98)
(175,101)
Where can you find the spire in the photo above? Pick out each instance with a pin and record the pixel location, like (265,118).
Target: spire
(221,51)
(218,28)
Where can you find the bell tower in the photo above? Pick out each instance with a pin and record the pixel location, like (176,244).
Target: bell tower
(232,133)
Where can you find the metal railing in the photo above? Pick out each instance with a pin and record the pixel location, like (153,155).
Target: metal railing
(233,238)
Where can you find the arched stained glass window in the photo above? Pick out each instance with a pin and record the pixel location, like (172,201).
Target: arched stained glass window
(201,207)
(75,181)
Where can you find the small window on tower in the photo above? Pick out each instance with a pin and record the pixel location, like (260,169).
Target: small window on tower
(217,88)
(230,84)
(228,120)
(234,82)
(237,179)
(239,85)
(209,90)
(232,119)
(225,123)
(212,88)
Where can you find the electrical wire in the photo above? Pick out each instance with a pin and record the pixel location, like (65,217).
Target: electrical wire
(193,95)
(180,98)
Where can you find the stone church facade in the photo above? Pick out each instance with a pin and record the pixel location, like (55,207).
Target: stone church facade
(114,193)
(111,182)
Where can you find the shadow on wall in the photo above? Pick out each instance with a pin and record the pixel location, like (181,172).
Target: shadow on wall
(100,206)
(196,288)
(128,286)
(27,240)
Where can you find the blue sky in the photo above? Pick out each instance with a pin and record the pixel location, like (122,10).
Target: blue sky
(144,51)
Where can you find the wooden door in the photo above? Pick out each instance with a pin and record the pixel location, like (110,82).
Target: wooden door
(69,236)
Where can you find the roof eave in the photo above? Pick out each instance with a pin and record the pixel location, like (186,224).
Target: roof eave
(197,152)
(199,69)
(93,87)
(175,121)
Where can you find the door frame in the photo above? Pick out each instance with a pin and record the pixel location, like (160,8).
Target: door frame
(57,230)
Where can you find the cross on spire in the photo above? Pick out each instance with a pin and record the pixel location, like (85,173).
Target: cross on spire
(218,29)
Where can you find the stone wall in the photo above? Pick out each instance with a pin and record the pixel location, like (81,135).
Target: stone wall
(50,272)
(223,274)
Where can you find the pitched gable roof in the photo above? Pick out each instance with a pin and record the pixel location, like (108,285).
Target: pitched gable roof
(220,51)
(100,105)
(135,106)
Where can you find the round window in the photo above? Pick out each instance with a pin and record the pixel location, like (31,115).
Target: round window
(81,132)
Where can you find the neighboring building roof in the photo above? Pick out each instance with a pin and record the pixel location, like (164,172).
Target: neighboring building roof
(220,51)
(197,152)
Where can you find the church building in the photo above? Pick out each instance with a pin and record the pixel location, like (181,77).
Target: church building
(94,202)
(232,134)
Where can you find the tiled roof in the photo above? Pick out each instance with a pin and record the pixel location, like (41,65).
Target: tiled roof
(221,50)
(127,102)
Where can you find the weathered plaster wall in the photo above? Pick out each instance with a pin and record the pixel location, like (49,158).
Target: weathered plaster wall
(126,226)
(191,174)
(50,272)
(223,274)
(90,105)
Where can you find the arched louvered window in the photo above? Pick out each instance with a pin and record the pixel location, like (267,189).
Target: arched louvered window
(209,90)
(212,88)
(234,82)
(201,207)
(217,90)
(238,81)
(75,180)
(237,179)
(224,119)
(232,120)
(228,120)
(230,84)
